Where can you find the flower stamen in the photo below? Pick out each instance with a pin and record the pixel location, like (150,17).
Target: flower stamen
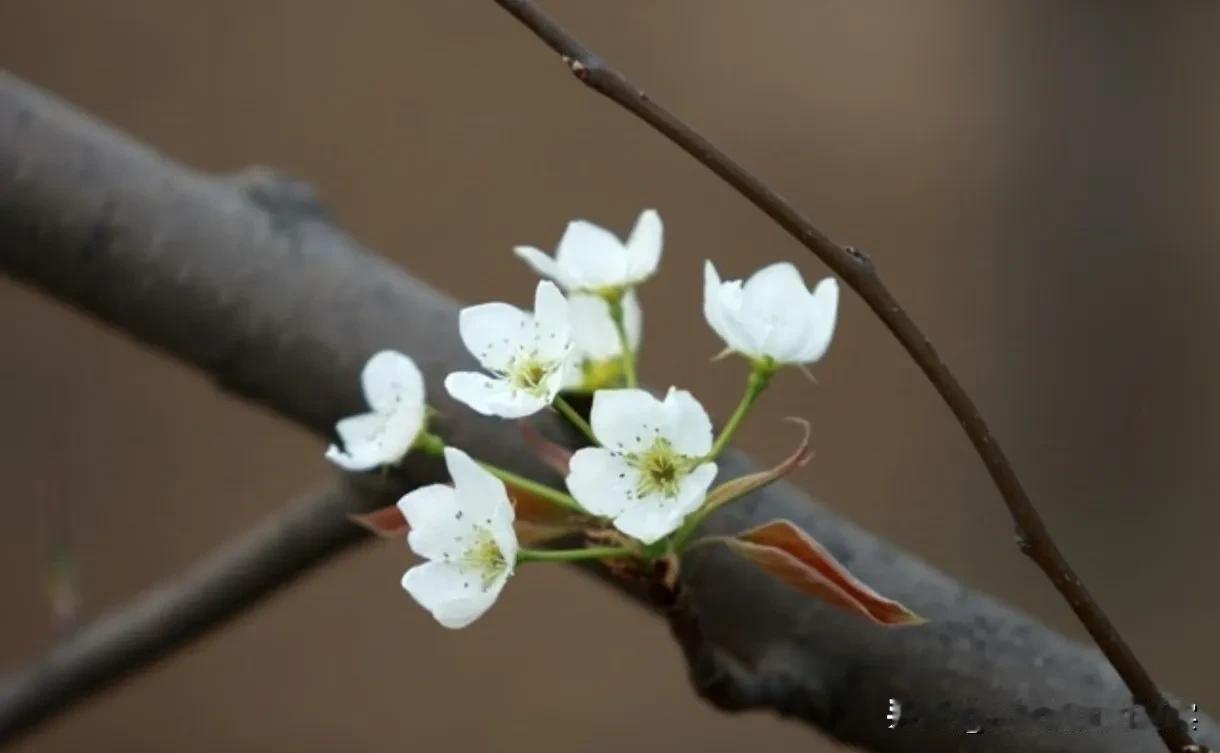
(661,468)
(529,373)
(485,557)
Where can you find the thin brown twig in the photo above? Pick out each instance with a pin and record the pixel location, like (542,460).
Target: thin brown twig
(858,271)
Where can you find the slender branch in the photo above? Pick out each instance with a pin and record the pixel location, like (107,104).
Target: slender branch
(218,272)
(857,269)
(166,617)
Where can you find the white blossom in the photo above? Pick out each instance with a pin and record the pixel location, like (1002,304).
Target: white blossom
(595,338)
(772,315)
(465,531)
(593,259)
(649,474)
(394,389)
(528,355)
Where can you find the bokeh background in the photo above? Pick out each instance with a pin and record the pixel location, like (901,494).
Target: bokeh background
(1036,179)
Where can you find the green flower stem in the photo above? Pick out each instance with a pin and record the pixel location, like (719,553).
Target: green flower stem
(550,494)
(628,356)
(570,555)
(434,445)
(693,521)
(577,420)
(760,377)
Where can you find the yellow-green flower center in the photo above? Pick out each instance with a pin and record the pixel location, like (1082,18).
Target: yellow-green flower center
(529,374)
(485,556)
(661,468)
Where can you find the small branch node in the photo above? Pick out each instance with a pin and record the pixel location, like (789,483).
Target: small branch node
(579,69)
(860,256)
(1023,544)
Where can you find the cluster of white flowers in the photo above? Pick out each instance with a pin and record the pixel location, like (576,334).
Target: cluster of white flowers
(651,462)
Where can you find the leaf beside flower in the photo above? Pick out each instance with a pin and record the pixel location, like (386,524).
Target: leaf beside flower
(791,555)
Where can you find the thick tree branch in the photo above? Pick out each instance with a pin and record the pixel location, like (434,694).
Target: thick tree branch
(246,279)
(857,269)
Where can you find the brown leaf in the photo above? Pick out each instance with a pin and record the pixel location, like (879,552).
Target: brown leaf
(793,556)
(555,456)
(743,485)
(386,522)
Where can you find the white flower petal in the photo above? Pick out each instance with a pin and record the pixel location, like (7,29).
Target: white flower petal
(822,310)
(775,301)
(402,427)
(688,427)
(713,307)
(438,528)
(633,319)
(644,246)
(492,331)
(593,331)
(479,493)
(601,481)
(651,519)
(573,375)
(692,490)
(544,265)
(390,380)
(627,420)
(552,327)
(495,397)
(369,441)
(454,595)
(775,284)
(591,256)
(483,499)
(349,462)
(721,307)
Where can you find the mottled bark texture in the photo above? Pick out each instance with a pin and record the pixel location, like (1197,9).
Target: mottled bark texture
(248,279)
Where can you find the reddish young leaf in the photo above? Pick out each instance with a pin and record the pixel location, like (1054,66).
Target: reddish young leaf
(386,522)
(555,456)
(743,485)
(790,554)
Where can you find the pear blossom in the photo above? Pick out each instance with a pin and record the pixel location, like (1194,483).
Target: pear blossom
(528,355)
(593,259)
(465,531)
(595,339)
(394,389)
(772,315)
(650,473)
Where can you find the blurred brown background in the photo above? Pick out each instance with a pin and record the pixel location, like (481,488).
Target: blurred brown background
(1037,180)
